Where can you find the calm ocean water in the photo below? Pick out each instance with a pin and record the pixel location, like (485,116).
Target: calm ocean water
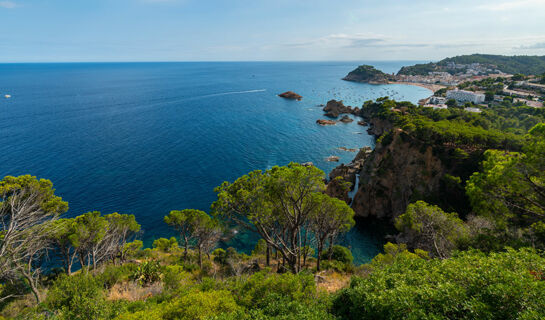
(147,138)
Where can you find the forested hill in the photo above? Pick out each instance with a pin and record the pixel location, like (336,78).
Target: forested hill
(368,74)
(508,64)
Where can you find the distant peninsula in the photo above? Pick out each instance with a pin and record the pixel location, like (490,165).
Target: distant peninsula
(368,74)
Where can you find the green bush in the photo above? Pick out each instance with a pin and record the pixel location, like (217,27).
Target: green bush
(113,274)
(469,285)
(77,297)
(175,278)
(339,253)
(201,305)
(254,292)
(165,245)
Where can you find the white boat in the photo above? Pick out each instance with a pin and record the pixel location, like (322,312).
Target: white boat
(7,96)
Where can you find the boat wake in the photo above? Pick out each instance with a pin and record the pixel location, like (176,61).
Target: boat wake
(231,92)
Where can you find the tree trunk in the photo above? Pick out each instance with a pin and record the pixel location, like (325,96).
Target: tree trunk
(319,248)
(34,290)
(268,256)
(330,253)
(185,246)
(200,257)
(81,260)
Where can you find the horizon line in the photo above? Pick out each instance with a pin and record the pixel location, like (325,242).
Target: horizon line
(206,61)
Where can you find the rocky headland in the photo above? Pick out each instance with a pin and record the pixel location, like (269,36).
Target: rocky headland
(368,74)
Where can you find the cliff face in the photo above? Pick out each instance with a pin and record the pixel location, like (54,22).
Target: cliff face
(396,172)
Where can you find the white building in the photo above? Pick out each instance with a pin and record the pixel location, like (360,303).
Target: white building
(471,109)
(463,96)
(437,100)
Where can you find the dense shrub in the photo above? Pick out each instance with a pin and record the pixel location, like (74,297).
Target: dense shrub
(77,297)
(201,305)
(113,274)
(174,278)
(469,285)
(255,291)
(339,253)
(165,245)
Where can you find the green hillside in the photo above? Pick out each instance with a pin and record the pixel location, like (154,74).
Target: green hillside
(508,64)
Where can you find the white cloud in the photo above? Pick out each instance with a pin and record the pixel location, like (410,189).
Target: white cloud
(7,4)
(513,5)
(341,40)
(539,45)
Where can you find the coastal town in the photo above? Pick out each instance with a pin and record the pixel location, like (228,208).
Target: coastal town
(488,91)
(473,85)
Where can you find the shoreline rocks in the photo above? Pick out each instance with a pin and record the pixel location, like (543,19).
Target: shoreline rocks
(290,95)
(347,173)
(362,123)
(347,149)
(333,159)
(334,108)
(346,119)
(326,122)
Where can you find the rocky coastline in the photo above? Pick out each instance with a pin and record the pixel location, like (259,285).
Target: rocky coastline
(390,176)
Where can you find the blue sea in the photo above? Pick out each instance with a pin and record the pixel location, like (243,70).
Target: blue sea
(147,138)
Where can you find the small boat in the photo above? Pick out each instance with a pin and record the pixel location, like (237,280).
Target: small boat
(7,96)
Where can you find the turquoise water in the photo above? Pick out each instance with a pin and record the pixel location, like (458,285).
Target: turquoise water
(147,138)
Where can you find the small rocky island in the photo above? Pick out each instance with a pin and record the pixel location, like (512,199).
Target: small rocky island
(290,95)
(368,74)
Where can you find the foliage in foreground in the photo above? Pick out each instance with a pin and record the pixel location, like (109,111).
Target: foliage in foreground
(469,285)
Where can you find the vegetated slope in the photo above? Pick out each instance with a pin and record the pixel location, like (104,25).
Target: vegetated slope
(507,64)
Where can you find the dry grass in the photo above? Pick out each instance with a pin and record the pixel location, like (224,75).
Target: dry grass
(332,281)
(131,291)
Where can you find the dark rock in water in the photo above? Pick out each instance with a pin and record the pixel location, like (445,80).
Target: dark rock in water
(334,108)
(346,119)
(326,122)
(290,95)
(333,159)
(362,123)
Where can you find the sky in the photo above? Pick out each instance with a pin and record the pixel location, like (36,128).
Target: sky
(258,30)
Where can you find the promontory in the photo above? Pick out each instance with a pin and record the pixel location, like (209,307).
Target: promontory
(368,74)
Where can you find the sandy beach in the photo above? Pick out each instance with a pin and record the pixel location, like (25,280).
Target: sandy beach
(432,87)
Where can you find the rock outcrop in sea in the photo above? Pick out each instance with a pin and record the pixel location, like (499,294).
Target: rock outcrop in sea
(290,95)
(326,122)
(346,119)
(334,108)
